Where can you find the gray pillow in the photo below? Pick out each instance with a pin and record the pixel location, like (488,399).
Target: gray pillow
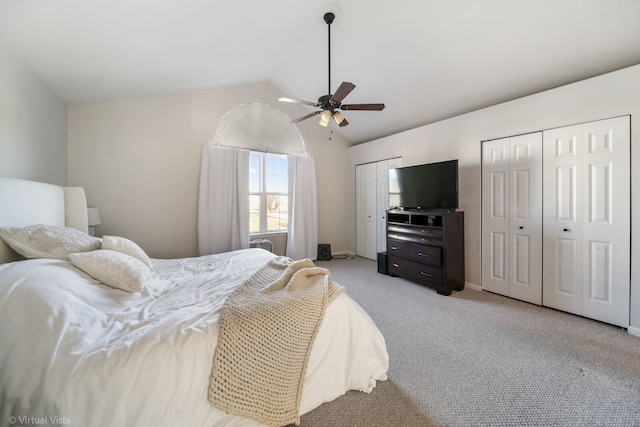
(48,241)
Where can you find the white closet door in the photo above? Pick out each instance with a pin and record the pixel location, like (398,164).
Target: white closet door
(495,216)
(606,245)
(382,200)
(372,202)
(366,177)
(371,205)
(512,217)
(562,260)
(587,220)
(361,213)
(525,169)
(382,204)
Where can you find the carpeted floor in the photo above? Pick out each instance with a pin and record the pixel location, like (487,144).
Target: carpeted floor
(480,359)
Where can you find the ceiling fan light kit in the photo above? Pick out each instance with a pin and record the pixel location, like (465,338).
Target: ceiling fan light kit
(325,118)
(330,103)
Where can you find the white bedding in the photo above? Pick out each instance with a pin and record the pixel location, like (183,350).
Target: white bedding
(73,348)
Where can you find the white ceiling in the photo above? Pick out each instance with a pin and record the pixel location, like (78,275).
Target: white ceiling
(425,59)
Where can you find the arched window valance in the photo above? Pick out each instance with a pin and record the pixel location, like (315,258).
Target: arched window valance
(260,127)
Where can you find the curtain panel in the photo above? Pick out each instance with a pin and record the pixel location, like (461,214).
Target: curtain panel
(223,203)
(302,232)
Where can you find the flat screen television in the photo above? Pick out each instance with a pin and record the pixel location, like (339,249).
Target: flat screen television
(432,186)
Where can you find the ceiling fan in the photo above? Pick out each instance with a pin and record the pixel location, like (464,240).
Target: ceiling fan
(330,103)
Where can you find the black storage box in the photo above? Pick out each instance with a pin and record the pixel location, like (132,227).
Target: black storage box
(382,262)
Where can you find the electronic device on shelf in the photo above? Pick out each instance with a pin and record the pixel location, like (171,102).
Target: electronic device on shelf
(431,186)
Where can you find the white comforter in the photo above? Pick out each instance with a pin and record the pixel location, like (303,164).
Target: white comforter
(76,352)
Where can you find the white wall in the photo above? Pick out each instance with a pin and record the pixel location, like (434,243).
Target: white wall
(139,162)
(33,125)
(609,95)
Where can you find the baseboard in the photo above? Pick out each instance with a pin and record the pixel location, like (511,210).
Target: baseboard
(472,286)
(634,331)
(631,329)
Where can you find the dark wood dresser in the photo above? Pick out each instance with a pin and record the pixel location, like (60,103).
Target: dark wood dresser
(427,247)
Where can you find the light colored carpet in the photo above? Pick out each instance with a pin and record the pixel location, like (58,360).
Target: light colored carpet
(480,359)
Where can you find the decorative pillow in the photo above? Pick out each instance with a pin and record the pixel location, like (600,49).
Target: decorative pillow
(126,246)
(48,241)
(115,269)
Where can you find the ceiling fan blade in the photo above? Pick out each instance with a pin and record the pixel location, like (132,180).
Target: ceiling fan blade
(343,123)
(298,101)
(368,107)
(343,90)
(305,117)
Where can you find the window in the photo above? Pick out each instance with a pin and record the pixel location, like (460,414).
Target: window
(394,188)
(268,193)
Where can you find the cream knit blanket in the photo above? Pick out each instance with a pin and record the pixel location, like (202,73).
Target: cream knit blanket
(267,328)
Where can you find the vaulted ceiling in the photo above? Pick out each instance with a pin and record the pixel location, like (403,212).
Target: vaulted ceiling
(425,59)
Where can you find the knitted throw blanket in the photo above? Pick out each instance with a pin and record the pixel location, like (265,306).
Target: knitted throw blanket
(267,328)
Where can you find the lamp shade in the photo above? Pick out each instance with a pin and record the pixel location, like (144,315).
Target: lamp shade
(324,118)
(93,214)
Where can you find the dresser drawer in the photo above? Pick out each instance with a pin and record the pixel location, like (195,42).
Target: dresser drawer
(415,271)
(421,240)
(413,230)
(431,255)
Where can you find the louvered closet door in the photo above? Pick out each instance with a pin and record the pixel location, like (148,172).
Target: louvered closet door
(512,217)
(587,220)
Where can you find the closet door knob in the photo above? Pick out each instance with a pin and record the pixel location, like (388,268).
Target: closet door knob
(566,229)
(521,228)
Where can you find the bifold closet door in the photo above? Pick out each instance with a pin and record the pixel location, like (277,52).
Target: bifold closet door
(512,217)
(372,202)
(382,200)
(587,219)
(366,210)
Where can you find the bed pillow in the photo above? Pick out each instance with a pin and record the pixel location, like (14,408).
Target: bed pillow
(126,246)
(48,241)
(113,268)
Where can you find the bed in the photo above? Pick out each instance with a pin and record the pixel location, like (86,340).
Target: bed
(78,352)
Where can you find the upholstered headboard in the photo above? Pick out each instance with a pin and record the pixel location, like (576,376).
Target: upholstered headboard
(25,202)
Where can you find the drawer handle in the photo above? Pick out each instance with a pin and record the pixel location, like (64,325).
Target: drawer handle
(426,274)
(396,265)
(393,248)
(425,255)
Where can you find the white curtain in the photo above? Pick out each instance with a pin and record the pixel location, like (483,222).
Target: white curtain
(223,203)
(302,233)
